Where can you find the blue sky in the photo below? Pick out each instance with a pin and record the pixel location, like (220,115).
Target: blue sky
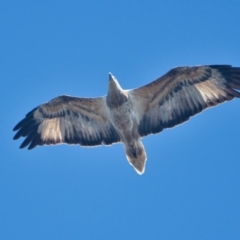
(191,187)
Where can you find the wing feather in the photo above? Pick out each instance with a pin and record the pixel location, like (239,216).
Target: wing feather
(69,120)
(181,93)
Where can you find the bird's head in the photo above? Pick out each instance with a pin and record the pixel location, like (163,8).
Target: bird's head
(113,84)
(115,91)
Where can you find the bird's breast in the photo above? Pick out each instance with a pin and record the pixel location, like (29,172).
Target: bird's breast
(122,117)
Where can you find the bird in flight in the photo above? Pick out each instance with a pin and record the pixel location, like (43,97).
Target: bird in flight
(126,116)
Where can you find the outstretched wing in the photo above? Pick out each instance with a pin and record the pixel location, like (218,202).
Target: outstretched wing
(182,93)
(69,120)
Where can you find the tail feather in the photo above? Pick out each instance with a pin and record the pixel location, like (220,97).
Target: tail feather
(136,156)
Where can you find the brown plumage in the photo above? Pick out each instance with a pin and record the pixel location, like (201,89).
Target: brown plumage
(128,115)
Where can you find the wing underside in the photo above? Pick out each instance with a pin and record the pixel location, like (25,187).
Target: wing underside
(181,93)
(68,120)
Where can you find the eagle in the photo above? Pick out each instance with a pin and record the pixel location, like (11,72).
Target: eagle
(126,116)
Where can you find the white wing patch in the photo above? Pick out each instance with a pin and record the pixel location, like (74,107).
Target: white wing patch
(50,129)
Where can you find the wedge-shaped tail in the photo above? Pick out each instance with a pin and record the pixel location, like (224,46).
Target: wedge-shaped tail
(136,156)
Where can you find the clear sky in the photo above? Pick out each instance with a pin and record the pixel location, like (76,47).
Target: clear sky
(191,186)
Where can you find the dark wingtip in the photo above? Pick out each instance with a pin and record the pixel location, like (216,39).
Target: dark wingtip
(220,66)
(17,126)
(17,135)
(24,120)
(31,146)
(32,111)
(232,76)
(23,145)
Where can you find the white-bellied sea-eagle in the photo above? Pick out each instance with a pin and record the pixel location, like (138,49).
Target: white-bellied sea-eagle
(128,115)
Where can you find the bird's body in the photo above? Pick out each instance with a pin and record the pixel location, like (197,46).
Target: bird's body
(123,118)
(128,115)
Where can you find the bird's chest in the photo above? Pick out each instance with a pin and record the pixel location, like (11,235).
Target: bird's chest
(122,116)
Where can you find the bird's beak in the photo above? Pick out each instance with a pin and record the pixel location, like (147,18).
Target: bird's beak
(111,77)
